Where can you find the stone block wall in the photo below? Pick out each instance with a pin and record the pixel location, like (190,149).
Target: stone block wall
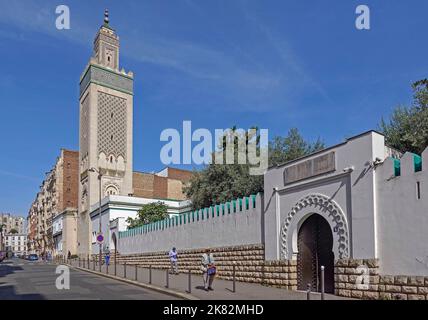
(249,262)
(382,287)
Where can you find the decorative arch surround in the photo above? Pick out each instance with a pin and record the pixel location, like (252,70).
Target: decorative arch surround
(114,187)
(330,210)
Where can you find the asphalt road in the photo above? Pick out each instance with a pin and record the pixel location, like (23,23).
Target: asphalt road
(25,280)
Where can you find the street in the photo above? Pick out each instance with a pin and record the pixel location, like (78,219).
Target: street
(25,280)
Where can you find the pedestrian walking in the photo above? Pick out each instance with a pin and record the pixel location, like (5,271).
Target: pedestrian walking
(173,258)
(69,255)
(107,257)
(209,269)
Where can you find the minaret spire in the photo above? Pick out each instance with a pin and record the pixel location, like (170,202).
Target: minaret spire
(106,17)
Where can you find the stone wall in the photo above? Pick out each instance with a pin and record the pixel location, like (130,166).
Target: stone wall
(383,287)
(251,267)
(248,260)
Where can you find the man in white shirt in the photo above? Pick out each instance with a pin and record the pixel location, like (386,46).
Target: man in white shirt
(173,259)
(209,269)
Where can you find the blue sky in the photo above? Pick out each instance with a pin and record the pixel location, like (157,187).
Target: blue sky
(219,63)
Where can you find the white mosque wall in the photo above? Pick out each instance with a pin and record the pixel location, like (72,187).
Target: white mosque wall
(403,216)
(218,226)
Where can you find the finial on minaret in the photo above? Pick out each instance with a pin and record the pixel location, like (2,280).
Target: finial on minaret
(106,19)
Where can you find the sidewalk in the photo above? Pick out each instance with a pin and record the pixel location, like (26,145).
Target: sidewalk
(222,288)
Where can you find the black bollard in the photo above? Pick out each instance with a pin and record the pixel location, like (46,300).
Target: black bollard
(234,279)
(189,289)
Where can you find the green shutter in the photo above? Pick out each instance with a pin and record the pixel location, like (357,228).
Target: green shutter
(417,160)
(397,167)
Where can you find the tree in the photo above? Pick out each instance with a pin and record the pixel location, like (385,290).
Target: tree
(218,183)
(407,127)
(149,213)
(13,231)
(291,147)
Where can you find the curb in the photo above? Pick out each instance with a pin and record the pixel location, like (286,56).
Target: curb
(170,292)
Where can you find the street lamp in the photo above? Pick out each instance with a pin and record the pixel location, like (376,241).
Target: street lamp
(99,209)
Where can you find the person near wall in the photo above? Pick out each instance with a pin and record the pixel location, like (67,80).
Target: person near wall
(173,258)
(107,258)
(69,255)
(209,269)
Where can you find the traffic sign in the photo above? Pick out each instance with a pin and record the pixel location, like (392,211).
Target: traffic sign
(100,238)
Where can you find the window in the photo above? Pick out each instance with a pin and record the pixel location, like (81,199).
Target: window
(418,190)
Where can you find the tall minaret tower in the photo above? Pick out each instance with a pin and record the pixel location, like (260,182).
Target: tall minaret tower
(106,107)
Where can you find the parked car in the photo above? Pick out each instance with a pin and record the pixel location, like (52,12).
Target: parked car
(2,256)
(33,257)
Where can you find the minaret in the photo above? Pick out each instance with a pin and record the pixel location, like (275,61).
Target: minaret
(106,111)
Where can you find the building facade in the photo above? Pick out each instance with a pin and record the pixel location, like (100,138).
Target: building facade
(166,184)
(106,112)
(64,232)
(57,193)
(12,222)
(16,243)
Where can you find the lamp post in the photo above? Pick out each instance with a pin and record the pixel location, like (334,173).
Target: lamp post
(99,210)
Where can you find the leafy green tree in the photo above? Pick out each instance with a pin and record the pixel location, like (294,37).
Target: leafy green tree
(150,212)
(291,147)
(218,183)
(407,127)
(13,231)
